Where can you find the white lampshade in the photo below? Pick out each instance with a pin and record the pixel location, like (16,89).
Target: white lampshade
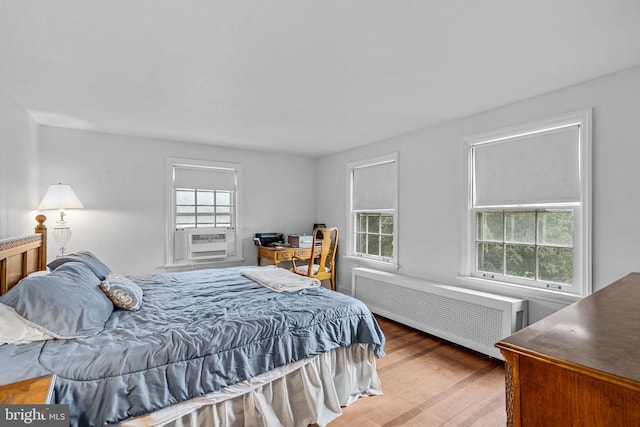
(60,196)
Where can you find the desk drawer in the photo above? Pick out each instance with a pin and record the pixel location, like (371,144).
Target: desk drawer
(284,255)
(302,253)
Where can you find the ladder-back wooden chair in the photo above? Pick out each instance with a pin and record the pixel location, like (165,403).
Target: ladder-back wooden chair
(324,244)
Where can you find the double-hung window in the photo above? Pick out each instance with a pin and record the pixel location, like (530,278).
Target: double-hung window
(528,221)
(202,212)
(373,202)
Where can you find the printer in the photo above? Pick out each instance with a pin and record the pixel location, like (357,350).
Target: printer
(269,239)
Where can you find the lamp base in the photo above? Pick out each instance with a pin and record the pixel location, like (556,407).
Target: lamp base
(62,234)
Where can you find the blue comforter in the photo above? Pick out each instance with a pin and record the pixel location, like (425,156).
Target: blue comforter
(195,333)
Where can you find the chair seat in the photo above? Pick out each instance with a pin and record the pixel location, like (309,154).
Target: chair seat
(303,269)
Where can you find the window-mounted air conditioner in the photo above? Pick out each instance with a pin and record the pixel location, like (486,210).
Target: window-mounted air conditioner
(206,243)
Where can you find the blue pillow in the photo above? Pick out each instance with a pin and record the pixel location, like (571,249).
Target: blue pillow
(98,267)
(66,303)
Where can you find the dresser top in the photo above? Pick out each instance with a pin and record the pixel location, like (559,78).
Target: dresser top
(600,332)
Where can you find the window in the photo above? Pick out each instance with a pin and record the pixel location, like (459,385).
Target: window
(374,234)
(203,203)
(373,208)
(196,207)
(528,222)
(529,244)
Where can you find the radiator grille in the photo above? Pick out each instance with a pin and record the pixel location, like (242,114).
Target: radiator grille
(468,320)
(473,319)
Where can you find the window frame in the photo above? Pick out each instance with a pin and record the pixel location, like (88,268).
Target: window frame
(582,284)
(352,214)
(170,212)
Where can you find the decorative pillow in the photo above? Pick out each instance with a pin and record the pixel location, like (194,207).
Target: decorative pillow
(85,257)
(123,292)
(14,329)
(64,304)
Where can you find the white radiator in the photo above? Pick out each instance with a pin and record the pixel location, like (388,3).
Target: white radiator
(473,319)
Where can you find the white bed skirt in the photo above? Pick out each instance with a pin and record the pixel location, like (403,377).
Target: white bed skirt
(304,392)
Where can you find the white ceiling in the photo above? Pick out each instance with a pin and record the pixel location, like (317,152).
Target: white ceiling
(300,76)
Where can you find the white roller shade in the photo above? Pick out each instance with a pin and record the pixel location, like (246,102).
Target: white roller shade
(204,178)
(532,169)
(374,186)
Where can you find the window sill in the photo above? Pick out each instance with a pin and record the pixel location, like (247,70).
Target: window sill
(518,291)
(196,265)
(371,263)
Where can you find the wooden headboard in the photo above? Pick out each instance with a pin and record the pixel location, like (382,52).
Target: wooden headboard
(21,256)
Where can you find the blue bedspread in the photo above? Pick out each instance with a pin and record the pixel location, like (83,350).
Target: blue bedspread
(195,333)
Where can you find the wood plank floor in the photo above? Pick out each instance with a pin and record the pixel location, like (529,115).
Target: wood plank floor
(430,383)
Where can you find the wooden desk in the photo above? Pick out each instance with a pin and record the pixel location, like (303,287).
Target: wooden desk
(277,255)
(581,365)
(33,391)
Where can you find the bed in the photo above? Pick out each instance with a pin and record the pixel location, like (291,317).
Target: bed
(202,348)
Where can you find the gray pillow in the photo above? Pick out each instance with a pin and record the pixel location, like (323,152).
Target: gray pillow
(122,291)
(66,303)
(85,257)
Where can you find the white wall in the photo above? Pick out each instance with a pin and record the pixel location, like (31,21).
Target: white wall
(121,181)
(18,168)
(431,196)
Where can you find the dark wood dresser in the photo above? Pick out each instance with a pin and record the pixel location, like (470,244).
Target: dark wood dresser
(579,366)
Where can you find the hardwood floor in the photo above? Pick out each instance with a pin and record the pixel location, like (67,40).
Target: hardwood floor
(427,382)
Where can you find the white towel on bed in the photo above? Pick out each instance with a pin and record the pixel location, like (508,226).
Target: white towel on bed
(279,279)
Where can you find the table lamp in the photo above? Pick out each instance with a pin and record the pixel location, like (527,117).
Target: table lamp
(61,196)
